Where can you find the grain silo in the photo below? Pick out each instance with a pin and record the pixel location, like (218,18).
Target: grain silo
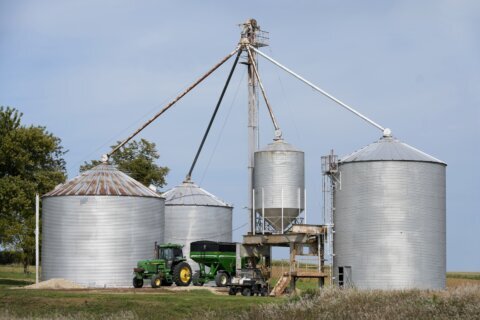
(279,183)
(389,218)
(193,214)
(97,226)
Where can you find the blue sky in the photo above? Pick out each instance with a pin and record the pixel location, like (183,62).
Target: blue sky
(93,71)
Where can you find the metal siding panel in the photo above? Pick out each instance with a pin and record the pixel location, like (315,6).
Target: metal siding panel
(185,224)
(390,224)
(97,240)
(276,169)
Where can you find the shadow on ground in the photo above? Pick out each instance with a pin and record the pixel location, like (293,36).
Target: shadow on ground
(13,282)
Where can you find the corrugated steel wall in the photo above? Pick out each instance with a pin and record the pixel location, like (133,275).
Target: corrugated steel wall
(277,169)
(390,219)
(185,224)
(97,240)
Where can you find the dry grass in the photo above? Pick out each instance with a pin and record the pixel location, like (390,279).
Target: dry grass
(458,282)
(302,284)
(121,315)
(331,303)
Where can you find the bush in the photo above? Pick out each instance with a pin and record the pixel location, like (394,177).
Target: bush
(10,257)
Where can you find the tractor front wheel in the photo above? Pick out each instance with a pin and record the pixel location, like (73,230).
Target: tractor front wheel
(221,279)
(156,281)
(137,283)
(182,274)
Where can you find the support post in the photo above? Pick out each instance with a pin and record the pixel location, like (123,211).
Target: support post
(263,212)
(252,121)
(253,212)
(282,210)
(299,202)
(305,203)
(37,232)
(293,253)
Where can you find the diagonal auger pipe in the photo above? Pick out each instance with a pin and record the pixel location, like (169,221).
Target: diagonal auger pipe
(272,116)
(318,89)
(189,174)
(181,95)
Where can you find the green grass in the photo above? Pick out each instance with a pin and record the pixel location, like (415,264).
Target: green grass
(464,275)
(16,272)
(12,276)
(111,304)
(97,305)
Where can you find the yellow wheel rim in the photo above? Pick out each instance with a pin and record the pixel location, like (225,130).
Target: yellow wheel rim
(185,275)
(157,282)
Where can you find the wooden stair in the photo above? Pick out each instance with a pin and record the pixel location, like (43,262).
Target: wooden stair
(281,285)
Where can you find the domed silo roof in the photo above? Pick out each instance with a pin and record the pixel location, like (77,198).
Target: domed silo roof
(193,214)
(190,194)
(389,149)
(97,226)
(390,218)
(103,180)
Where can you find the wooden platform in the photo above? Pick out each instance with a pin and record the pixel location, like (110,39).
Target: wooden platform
(298,238)
(308,274)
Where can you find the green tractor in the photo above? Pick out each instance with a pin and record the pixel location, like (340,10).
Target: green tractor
(168,267)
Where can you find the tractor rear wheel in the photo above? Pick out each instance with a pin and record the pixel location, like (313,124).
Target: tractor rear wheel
(221,279)
(182,274)
(156,281)
(196,279)
(137,283)
(247,292)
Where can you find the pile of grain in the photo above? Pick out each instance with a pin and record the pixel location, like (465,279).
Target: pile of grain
(55,284)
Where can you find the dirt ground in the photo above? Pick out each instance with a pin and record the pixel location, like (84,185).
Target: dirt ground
(66,285)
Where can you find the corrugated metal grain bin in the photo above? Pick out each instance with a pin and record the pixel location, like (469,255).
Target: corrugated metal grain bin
(193,214)
(279,173)
(389,218)
(97,226)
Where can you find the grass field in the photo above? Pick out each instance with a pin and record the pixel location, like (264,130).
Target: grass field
(460,301)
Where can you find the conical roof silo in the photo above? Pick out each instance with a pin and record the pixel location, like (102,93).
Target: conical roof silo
(389,218)
(193,214)
(279,183)
(97,226)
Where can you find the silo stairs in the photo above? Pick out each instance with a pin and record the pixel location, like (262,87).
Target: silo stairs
(281,285)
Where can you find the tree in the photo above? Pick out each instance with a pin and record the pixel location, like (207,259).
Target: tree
(137,159)
(31,161)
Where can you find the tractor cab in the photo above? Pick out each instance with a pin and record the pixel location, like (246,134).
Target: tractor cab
(170,253)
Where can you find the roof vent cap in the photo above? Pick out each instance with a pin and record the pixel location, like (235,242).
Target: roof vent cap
(387,133)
